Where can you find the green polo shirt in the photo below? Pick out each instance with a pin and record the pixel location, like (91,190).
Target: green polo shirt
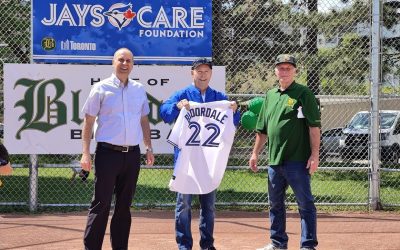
(288,134)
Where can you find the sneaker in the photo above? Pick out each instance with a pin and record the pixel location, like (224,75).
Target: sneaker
(209,248)
(271,247)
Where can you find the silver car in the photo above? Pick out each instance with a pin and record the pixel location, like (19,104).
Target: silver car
(330,142)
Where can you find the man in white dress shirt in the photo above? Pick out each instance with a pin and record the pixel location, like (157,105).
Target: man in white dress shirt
(121,108)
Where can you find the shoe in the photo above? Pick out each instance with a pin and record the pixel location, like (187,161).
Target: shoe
(209,248)
(271,247)
(307,248)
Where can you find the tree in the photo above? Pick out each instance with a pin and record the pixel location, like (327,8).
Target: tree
(391,44)
(255,32)
(345,69)
(249,38)
(15,31)
(14,36)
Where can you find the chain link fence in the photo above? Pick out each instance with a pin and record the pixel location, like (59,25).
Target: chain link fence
(333,42)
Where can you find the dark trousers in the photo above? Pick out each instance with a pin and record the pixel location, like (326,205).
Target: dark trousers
(115,172)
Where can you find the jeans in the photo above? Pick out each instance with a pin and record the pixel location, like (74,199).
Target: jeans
(183,217)
(295,175)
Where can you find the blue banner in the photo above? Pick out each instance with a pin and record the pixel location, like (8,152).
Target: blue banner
(157,31)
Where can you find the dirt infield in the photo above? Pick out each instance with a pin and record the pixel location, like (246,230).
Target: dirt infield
(154,230)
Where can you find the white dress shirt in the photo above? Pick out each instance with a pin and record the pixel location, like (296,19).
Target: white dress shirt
(118,109)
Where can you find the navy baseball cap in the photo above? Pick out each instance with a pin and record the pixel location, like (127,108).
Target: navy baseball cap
(285,58)
(201,61)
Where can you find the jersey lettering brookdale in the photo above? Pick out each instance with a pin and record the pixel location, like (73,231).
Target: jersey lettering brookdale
(206,112)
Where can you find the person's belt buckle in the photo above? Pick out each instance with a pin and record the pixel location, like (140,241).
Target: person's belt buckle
(125,149)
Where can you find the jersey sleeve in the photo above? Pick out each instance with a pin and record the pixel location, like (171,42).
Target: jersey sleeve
(177,130)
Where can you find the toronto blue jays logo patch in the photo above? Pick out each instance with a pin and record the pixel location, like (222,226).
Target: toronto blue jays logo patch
(120,15)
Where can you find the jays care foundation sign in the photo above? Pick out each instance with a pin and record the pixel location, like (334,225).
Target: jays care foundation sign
(90,31)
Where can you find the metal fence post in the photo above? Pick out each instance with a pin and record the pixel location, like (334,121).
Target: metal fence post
(374,197)
(33,183)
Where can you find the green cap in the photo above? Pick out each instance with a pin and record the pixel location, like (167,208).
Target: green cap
(249,120)
(255,104)
(285,58)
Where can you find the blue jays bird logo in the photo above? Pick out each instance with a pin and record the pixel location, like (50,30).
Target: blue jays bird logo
(120,15)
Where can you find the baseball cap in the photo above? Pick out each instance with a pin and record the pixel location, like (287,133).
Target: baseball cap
(201,61)
(285,58)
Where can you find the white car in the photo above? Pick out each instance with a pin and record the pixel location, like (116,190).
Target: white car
(355,140)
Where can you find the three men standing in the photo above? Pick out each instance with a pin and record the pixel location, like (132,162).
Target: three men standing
(289,118)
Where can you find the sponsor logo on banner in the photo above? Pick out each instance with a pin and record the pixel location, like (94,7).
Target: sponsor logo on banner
(48,43)
(120,15)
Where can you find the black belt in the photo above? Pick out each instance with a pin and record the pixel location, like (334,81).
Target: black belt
(116,147)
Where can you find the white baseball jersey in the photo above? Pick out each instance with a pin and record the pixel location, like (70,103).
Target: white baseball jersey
(205,135)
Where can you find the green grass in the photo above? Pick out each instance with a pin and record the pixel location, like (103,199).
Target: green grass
(238,186)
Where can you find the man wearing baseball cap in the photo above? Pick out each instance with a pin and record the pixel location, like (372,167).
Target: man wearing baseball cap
(198,91)
(201,61)
(285,58)
(290,119)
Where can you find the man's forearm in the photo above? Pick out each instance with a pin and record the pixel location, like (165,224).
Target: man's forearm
(146,131)
(315,140)
(87,131)
(259,143)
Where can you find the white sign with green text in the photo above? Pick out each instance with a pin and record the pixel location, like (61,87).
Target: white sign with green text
(43,102)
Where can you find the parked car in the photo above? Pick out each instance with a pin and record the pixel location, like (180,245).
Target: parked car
(355,140)
(330,142)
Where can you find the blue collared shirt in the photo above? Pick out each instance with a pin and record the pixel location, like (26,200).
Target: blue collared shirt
(118,109)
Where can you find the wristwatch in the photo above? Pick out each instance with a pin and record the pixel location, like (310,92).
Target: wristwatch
(149,150)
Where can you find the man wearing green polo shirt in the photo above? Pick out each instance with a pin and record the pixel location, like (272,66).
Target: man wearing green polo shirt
(291,120)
